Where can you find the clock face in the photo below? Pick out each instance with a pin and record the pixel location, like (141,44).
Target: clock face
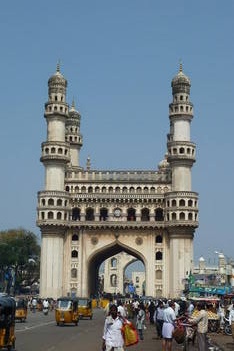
(117,212)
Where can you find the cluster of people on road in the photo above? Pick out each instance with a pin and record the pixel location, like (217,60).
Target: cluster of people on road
(38,304)
(165,314)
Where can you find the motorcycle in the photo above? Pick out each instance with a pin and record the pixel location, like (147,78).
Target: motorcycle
(227,327)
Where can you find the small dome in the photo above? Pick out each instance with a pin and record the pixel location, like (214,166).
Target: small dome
(180,78)
(201,259)
(164,163)
(73,111)
(57,78)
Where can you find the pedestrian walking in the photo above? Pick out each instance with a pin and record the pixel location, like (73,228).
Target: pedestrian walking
(140,320)
(112,339)
(158,318)
(169,319)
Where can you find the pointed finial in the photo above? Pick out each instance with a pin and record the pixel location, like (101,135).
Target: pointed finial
(58,66)
(73,103)
(181,66)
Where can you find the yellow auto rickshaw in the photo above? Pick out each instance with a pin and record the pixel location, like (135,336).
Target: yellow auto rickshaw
(21,310)
(7,322)
(66,311)
(85,307)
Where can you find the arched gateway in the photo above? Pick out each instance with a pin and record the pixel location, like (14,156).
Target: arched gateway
(87,215)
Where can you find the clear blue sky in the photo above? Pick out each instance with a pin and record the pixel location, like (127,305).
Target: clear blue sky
(119,58)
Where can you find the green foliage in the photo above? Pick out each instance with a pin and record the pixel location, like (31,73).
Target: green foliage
(20,252)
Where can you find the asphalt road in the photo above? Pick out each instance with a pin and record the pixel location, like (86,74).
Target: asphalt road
(41,333)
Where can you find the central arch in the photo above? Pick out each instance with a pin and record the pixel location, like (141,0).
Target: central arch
(98,257)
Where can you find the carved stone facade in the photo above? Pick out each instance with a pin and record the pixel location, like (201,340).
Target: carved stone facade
(88,215)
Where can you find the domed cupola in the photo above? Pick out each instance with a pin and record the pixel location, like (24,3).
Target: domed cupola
(57,78)
(180,83)
(164,164)
(57,86)
(73,113)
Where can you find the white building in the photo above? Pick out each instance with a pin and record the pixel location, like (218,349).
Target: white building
(88,215)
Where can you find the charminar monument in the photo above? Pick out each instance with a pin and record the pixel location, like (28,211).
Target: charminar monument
(89,215)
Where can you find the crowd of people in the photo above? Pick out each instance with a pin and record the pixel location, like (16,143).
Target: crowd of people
(165,315)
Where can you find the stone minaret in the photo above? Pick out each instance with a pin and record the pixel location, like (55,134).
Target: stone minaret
(73,135)
(181,203)
(53,210)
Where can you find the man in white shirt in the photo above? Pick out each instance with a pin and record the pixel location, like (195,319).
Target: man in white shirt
(169,318)
(121,310)
(112,339)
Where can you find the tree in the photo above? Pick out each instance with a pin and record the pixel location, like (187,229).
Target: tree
(19,258)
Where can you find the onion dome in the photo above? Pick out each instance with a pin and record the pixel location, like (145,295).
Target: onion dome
(181,83)
(164,164)
(57,79)
(72,111)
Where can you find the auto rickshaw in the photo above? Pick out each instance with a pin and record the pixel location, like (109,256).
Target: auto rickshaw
(21,310)
(7,323)
(85,307)
(66,311)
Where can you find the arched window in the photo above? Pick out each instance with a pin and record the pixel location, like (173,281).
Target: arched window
(59,202)
(83,190)
(97,189)
(182,216)
(43,202)
(145,214)
(75,237)
(173,216)
(90,189)
(74,254)
(117,189)
(113,280)
(59,215)
(173,203)
(182,202)
(73,273)
(159,214)
(103,214)
(131,214)
(50,215)
(51,202)
(125,189)
(181,150)
(89,214)
(190,203)
(158,239)
(158,256)
(75,214)
(190,216)
(114,262)
(67,188)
